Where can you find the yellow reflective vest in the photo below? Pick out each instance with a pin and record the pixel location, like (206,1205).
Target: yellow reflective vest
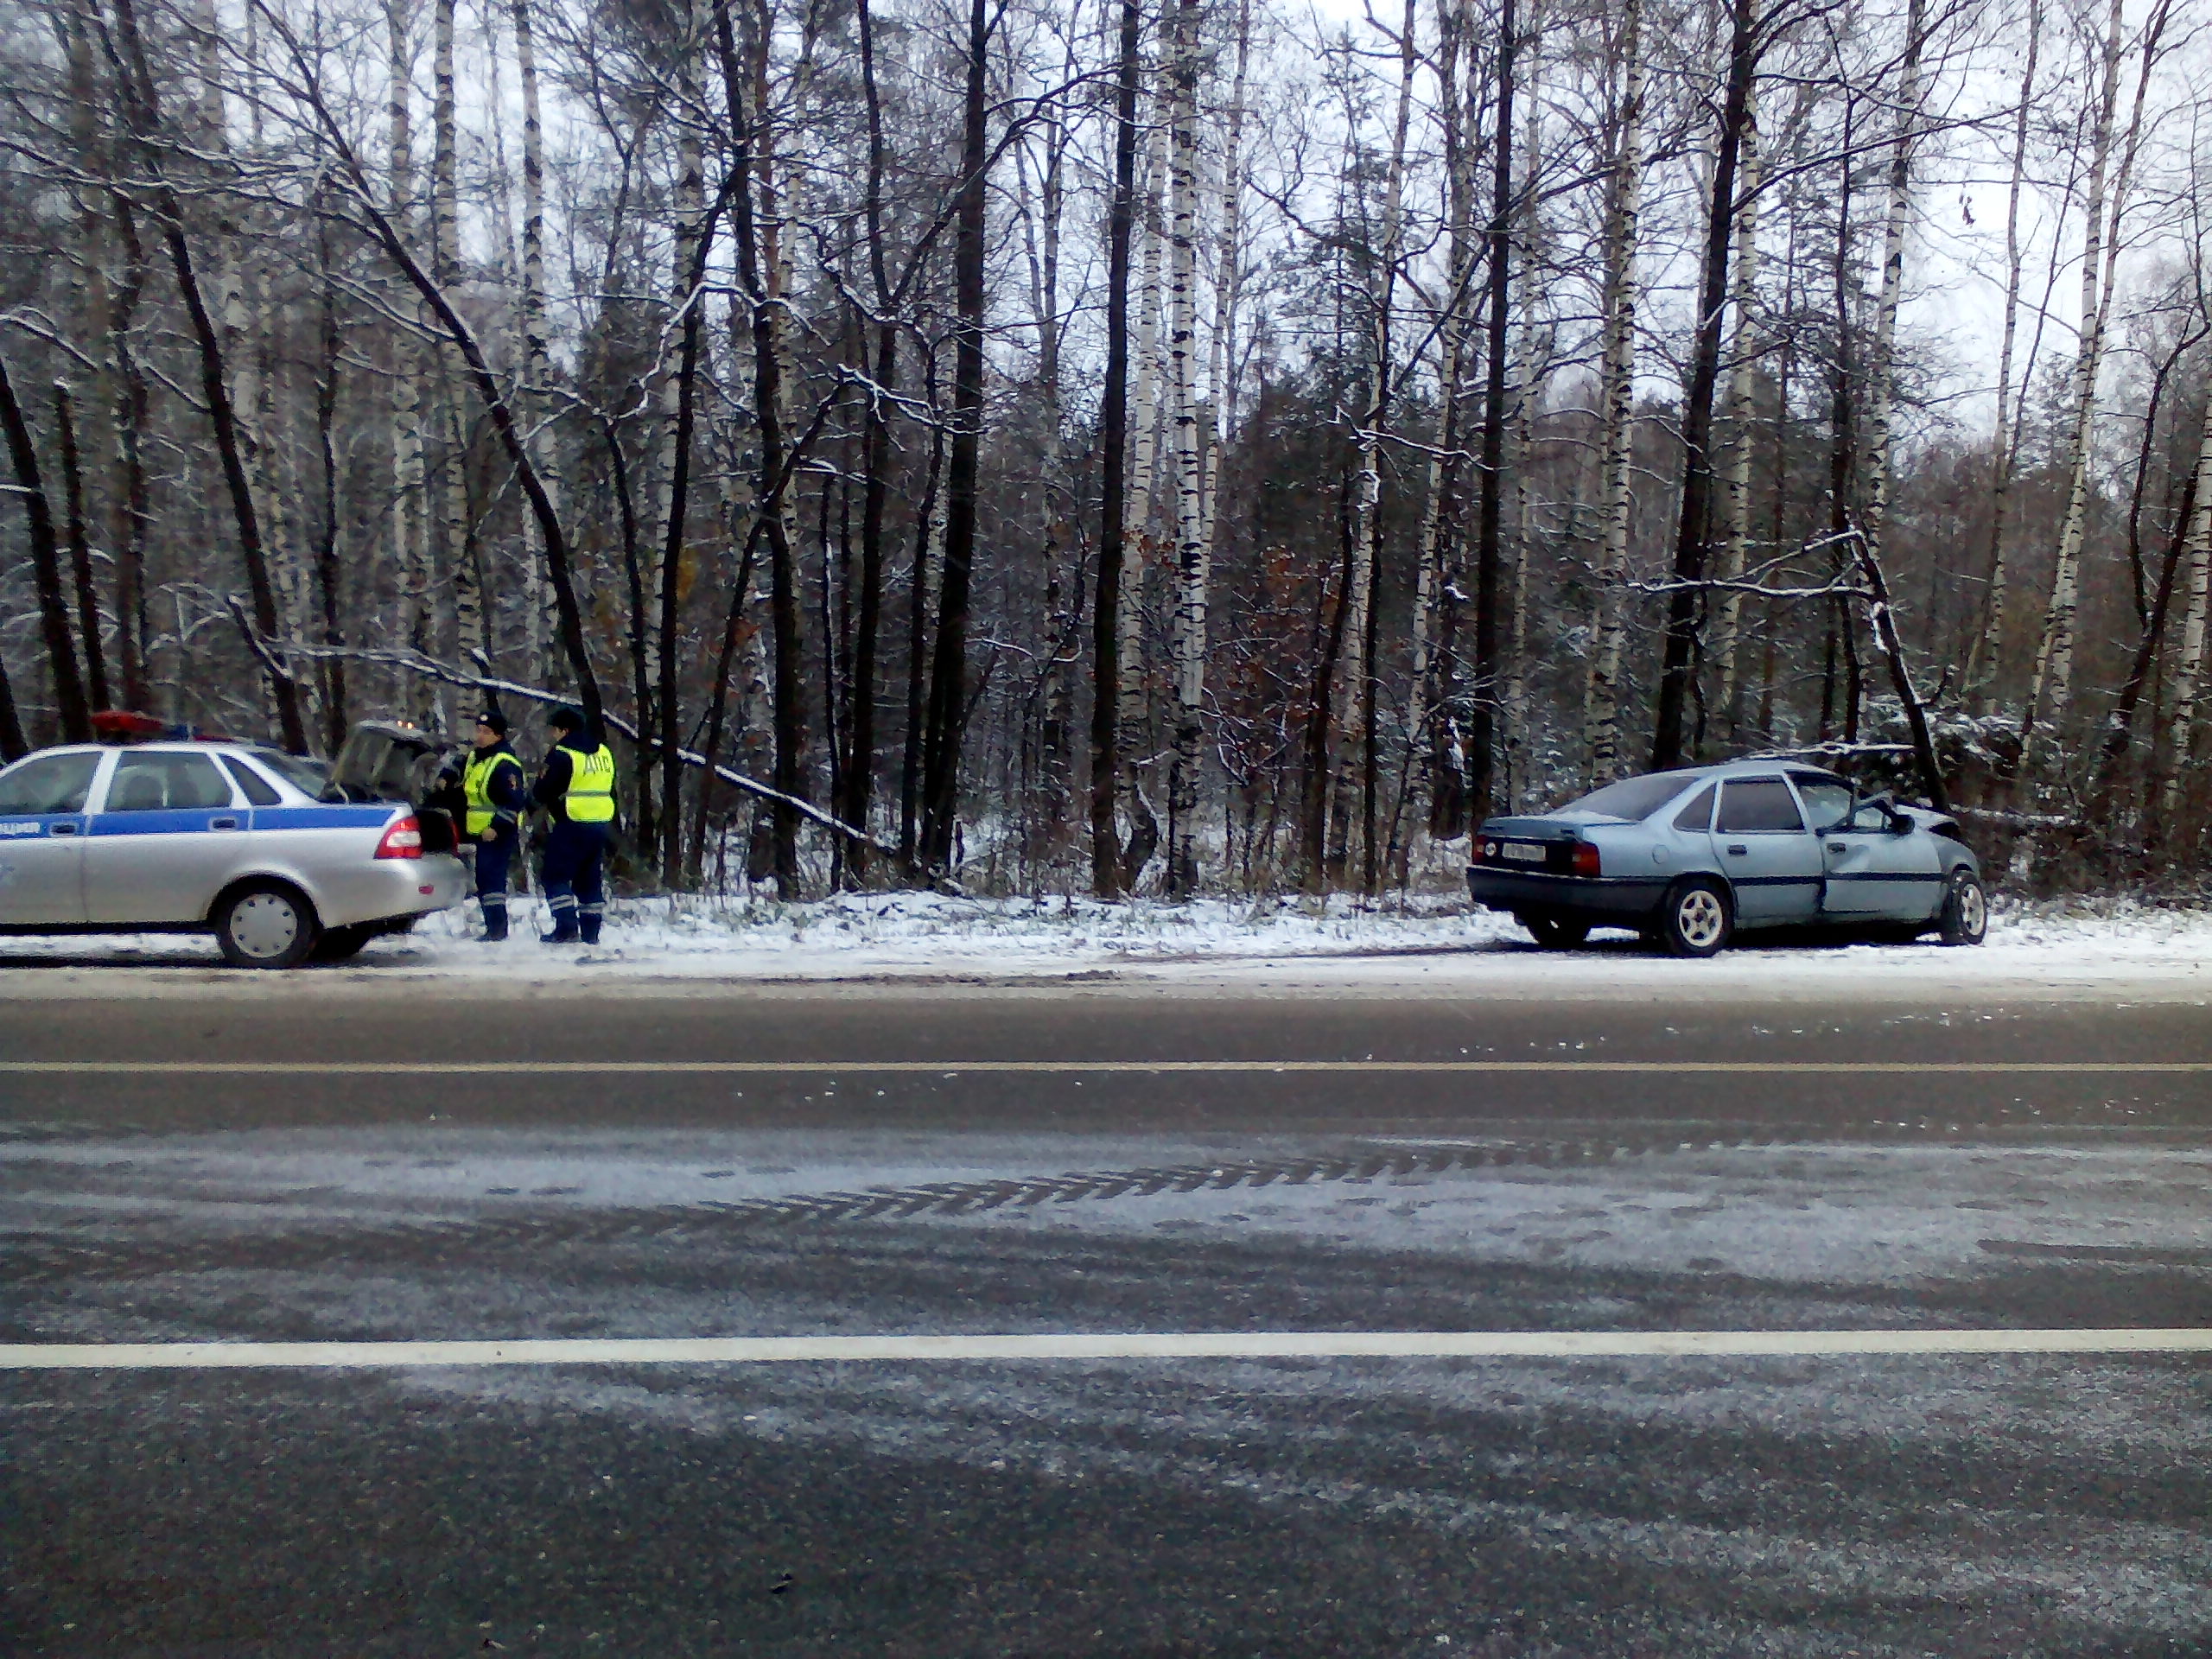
(590,795)
(476,787)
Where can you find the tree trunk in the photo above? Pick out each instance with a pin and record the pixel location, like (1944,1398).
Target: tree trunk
(1881,398)
(1191,561)
(1482,745)
(1137,541)
(411,472)
(460,584)
(1985,651)
(130,513)
(540,625)
(2189,672)
(1742,384)
(1601,695)
(80,551)
(329,573)
(694,226)
(948,708)
(1427,757)
(1694,528)
(768,406)
(1113,537)
(860,743)
(76,715)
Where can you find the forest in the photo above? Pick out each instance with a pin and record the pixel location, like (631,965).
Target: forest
(1154,447)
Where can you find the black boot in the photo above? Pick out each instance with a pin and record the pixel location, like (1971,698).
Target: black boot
(587,927)
(495,924)
(564,929)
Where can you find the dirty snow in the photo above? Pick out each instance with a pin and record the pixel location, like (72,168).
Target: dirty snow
(1429,942)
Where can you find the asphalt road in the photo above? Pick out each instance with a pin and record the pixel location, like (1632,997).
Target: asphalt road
(807,1164)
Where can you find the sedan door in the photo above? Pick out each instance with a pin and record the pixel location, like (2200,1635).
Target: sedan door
(1771,858)
(166,837)
(1879,873)
(42,838)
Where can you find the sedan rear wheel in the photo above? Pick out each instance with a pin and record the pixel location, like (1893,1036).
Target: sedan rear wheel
(1965,918)
(1555,933)
(342,943)
(266,925)
(1696,920)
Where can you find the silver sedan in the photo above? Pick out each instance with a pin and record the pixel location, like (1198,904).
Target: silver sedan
(229,838)
(1687,858)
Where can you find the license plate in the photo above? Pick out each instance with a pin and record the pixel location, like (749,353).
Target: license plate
(1521,852)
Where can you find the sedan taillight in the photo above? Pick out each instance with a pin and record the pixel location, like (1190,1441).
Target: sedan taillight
(402,840)
(1585,858)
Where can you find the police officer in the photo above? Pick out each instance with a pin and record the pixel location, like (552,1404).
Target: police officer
(495,792)
(577,789)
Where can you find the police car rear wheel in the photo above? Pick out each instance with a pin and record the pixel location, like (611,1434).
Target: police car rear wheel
(340,943)
(265,925)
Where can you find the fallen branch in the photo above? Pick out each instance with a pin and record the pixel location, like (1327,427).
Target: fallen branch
(414,662)
(2028,822)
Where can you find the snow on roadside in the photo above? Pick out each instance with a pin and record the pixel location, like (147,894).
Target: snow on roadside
(1424,942)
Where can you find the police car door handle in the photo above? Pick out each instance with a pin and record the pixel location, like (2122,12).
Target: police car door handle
(222,823)
(60,829)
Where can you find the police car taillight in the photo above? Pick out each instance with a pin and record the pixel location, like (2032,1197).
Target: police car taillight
(402,840)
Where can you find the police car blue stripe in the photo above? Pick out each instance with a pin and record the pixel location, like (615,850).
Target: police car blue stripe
(322,817)
(201,820)
(183,822)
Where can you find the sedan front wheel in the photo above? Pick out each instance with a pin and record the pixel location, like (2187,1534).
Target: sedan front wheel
(1965,917)
(1697,919)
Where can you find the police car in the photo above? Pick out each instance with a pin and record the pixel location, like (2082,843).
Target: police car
(230,838)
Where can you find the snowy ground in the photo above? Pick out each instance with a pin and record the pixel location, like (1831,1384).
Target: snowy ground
(1427,944)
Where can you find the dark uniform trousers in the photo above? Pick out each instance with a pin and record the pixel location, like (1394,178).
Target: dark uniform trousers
(493,859)
(575,885)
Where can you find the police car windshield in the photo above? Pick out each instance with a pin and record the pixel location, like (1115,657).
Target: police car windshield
(309,776)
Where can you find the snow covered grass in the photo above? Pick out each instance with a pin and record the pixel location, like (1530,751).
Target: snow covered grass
(1424,942)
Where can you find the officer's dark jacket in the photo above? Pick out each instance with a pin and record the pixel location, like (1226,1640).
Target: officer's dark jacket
(508,793)
(551,789)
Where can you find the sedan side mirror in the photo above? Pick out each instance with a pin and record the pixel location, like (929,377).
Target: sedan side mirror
(1900,825)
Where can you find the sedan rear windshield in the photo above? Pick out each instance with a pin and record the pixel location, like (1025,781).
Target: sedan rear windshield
(1632,798)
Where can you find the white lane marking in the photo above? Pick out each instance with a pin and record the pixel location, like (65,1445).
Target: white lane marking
(956,1068)
(1045,1346)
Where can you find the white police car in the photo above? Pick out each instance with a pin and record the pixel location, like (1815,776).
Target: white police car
(230,838)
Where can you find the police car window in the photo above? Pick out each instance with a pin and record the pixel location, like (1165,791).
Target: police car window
(1698,813)
(258,789)
(49,783)
(1827,800)
(1752,806)
(310,778)
(161,782)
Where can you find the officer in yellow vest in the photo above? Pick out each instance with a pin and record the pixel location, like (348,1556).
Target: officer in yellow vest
(577,789)
(494,793)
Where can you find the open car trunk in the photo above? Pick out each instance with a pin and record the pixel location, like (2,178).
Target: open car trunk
(385,760)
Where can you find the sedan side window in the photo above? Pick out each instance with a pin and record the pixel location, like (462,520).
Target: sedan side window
(159,782)
(1693,818)
(49,783)
(1826,801)
(1756,806)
